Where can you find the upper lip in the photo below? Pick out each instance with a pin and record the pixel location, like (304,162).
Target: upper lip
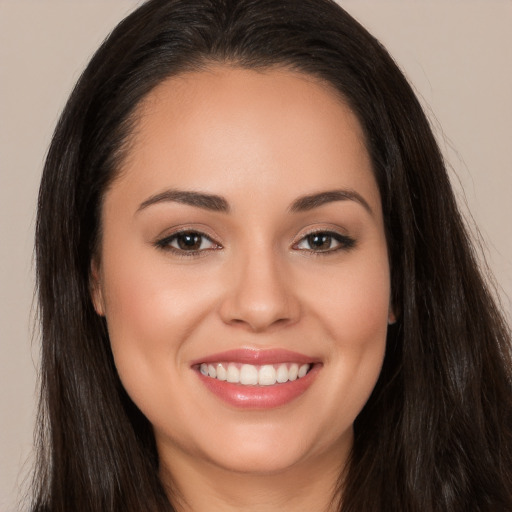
(256,357)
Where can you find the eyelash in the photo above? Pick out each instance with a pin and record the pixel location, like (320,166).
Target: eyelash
(165,243)
(345,242)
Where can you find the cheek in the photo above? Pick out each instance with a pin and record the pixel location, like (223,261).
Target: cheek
(353,309)
(147,298)
(359,320)
(354,301)
(151,310)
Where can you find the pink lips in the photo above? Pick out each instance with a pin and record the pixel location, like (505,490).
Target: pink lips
(258,397)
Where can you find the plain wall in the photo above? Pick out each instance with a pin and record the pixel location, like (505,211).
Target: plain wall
(458,54)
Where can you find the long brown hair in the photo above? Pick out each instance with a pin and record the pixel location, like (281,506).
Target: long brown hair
(436,434)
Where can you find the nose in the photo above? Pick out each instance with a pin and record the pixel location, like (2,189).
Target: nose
(260,294)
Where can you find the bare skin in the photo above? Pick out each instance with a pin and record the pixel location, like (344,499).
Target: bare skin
(269,270)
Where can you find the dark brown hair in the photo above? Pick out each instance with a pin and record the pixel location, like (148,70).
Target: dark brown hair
(436,434)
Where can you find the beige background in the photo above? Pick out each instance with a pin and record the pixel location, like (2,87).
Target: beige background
(458,54)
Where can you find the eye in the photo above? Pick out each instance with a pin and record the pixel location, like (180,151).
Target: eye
(187,241)
(325,241)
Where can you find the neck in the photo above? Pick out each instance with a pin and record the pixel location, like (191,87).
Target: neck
(199,486)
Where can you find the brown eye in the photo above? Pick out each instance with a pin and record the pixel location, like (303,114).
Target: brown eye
(319,241)
(187,241)
(325,241)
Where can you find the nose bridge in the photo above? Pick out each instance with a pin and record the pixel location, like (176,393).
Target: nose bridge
(261,293)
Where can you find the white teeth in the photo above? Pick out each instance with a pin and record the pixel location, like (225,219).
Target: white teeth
(233,374)
(282,374)
(267,375)
(250,375)
(293,371)
(222,374)
(303,370)
(211,371)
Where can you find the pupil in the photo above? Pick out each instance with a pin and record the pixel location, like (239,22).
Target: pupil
(189,241)
(319,241)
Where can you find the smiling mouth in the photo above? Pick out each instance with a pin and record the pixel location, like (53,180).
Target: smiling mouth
(255,375)
(255,379)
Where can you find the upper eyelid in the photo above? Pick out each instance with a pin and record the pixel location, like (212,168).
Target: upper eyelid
(164,243)
(173,232)
(202,235)
(322,231)
(331,230)
(346,241)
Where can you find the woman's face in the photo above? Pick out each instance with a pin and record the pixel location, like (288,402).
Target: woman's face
(244,272)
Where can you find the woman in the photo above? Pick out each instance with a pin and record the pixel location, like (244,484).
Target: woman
(256,290)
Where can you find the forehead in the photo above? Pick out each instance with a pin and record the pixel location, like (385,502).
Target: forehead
(228,127)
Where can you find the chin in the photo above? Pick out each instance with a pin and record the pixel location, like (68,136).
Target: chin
(271,449)
(258,461)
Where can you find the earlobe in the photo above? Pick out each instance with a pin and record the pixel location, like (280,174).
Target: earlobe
(391,315)
(95,289)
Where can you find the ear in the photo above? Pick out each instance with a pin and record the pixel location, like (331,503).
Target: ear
(95,288)
(391,316)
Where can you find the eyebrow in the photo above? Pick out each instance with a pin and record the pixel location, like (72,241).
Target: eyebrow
(200,200)
(309,202)
(217,203)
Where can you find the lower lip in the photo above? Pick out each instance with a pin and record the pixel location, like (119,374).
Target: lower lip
(260,397)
